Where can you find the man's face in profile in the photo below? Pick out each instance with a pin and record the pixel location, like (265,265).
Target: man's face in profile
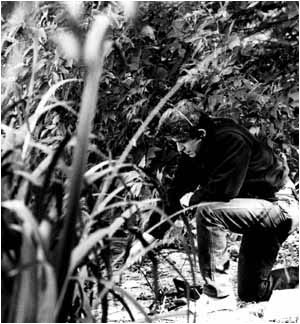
(189,147)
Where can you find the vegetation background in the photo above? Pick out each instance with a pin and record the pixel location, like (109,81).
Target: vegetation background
(83,86)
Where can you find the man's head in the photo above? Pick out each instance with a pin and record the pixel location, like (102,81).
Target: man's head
(187,125)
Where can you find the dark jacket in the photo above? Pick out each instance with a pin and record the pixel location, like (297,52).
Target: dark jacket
(231,163)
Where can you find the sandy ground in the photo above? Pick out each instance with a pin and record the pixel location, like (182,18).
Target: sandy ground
(282,308)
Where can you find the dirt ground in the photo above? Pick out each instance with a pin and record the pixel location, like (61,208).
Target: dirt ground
(138,282)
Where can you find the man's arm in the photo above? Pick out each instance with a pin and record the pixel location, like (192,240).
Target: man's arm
(232,156)
(184,181)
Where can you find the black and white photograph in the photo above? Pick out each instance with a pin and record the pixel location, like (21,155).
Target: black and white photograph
(150,162)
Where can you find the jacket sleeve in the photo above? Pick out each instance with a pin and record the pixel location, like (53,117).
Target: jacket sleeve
(232,155)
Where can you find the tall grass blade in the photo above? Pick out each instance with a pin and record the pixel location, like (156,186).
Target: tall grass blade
(24,214)
(87,111)
(94,61)
(24,303)
(40,169)
(47,295)
(106,201)
(44,109)
(135,303)
(46,97)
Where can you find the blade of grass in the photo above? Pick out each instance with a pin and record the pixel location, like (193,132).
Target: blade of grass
(92,177)
(47,295)
(94,58)
(106,201)
(98,166)
(133,300)
(88,105)
(124,304)
(41,168)
(25,302)
(43,109)
(23,212)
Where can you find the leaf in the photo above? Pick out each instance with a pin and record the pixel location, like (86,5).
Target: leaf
(161,73)
(254,130)
(178,23)
(84,247)
(142,162)
(253,4)
(234,41)
(227,71)
(181,52)
(92,177)
(274,112)
(294,96)
(136,189)
(97,167)
(213,101)
(42,108)
(98,209)
(148,31)
(130,8)
(215,79)
(74,8)
(152,152)
(69,44)
(23,212)
(93,44)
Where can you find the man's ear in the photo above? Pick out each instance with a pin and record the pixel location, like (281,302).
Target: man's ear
(201,132)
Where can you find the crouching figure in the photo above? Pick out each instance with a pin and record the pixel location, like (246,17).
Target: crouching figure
(235,183)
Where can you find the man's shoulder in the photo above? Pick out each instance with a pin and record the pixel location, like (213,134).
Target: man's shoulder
(229,126)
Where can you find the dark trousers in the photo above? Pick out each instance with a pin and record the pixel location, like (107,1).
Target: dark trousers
(264,225)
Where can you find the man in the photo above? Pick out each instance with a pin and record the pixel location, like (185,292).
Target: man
(236,183)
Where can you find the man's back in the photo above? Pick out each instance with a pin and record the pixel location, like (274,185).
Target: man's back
(232,163)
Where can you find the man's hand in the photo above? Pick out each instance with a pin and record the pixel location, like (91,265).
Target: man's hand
(185,199)
(135,253)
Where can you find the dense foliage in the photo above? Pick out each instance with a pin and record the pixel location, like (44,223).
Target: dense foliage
(236,59)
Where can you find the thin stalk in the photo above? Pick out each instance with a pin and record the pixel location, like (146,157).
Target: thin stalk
(193,249)
(104,303)
(34,64)
(87,112)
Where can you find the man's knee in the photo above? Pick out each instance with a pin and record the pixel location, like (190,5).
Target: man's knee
(208,216)
(205,214)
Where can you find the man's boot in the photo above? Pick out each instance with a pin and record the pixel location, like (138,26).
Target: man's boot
(220,287)
(285,278)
